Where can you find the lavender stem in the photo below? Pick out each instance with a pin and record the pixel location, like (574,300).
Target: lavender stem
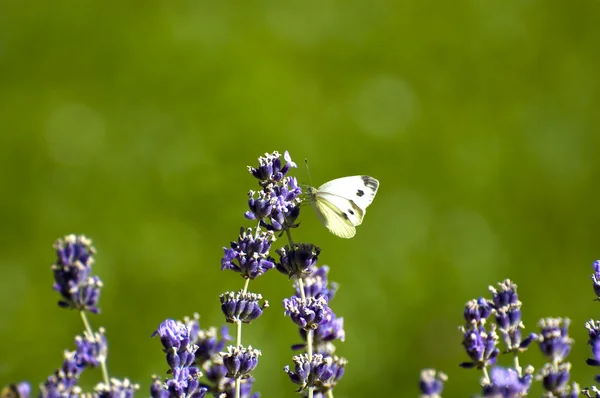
(103,366)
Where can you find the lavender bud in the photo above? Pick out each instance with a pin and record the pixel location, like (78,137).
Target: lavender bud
(320,372)
(242,307)
(593,328)
(209,344)
(240,361)
(297,260)
(307,314)
(505,382)
(91,350)
(480,346)
(331,329)
(477,311)
(596,278)
(432,383)
(316,284)
(72,271)
(554,340)
(269,168)
(175,338)
(63,383)
(555,378)
(249,256)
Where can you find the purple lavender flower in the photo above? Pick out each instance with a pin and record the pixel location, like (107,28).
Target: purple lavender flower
(269,168)
(72,277)
(477,311)
(555,378)
(63,383)
(480,346)
(596,278)
(506,383)
(297,260)
(91,350)
(554,340)
(242,307)
(177,344)
(17,390)
(432,383)
(219,385)
(249,256)
(593,328)
(328,331)
(316,284)
(320,372)
(277,207)
(176,341)
(209,344)
(116,389)
(507,310)
(309,313)
(240,361)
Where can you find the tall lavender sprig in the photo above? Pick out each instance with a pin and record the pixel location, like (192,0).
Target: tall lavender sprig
(275,208)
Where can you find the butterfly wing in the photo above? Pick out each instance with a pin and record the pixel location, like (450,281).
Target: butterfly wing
(332,217)
(360,190)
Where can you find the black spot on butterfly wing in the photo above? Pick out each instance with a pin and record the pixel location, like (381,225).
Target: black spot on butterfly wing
(360,193)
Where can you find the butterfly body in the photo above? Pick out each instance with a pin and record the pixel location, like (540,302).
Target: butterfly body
(341,204)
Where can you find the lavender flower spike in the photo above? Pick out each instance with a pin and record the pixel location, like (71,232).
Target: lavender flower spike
(63,383)
(596,278)
(240,361)
(480,345)
(477,311)
(307,314)
(269,168)
(593,328)
(554,340)
(249,256)
(321,372)
(72,277)
(297,260)
(505,382)
(432,383)
(242,307)
(507,309)
(91,350)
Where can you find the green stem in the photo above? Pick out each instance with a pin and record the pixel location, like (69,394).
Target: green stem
(517,366)
(289,236)
(309,349)
(246,285)
(486,376)
(89,330)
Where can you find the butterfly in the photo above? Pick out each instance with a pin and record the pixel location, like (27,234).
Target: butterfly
(341,204)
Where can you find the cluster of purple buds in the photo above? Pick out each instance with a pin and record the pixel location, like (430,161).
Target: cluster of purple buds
(91,350)
(240,362)
(507,310)
(64,381)
(249,256)
(479,342)
(180,354)
(331,328)
(319,372)
(209,342)
(307,313)
(507,382)
(555,344)
(277,205)
(297,260)
(432,383)
(596,278)
(72,274)
(242,307)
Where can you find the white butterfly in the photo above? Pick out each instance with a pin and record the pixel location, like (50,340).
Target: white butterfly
(341,204)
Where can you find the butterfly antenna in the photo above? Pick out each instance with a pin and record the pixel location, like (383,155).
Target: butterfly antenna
(308,171)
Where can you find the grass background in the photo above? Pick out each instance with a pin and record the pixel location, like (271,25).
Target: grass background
(133,122)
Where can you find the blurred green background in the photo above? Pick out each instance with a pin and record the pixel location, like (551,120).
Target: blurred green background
(133,123)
